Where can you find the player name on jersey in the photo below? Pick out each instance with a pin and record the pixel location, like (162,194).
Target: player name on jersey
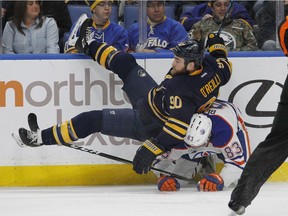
(210,86)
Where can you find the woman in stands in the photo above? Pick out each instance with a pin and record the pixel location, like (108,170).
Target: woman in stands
(29,31)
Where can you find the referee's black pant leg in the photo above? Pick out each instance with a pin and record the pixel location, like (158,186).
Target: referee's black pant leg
(267,157)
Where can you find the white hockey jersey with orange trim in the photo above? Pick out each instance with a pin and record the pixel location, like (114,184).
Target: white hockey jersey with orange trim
(229,141)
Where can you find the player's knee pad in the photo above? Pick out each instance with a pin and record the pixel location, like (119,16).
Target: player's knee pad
(123,123)
(137,84)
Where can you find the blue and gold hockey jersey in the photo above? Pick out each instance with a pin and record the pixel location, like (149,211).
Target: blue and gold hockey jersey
(178,97)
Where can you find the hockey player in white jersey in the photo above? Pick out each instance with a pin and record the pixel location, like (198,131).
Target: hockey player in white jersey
(219,131)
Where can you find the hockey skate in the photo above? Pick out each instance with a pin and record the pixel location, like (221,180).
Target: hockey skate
(237,209)
(86,36)
(32,137)
(70,43)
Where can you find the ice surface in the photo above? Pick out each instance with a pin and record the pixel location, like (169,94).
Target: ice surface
(134,201)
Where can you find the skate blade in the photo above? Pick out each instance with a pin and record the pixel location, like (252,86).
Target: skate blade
(232,213)
(17,139)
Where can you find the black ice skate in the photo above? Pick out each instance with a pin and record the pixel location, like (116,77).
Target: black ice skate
(237,208)
(32,137)
(86,34)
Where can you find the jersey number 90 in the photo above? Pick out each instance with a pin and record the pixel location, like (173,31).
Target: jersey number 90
(175,102)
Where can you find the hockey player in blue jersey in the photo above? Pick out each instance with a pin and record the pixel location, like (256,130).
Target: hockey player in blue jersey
(104,29)
(163,33)
(219,131)
(161,113)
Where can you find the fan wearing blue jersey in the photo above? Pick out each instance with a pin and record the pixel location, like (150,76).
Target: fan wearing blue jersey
(160,114)
(220,132)
(163,33)
(104,29)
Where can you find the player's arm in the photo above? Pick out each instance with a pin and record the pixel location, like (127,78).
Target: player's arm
(173,132)
(216,46)
(218,51)
(165,183)
(230,174)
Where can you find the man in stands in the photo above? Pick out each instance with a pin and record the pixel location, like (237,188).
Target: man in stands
(163,33)
(236,33)
(204,11)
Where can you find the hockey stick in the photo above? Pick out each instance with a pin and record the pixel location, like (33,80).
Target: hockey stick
(33,124)
(225,17)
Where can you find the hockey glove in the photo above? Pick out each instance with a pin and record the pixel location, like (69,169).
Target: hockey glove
(211,182)
(216,46)
(145,156)
(166,183)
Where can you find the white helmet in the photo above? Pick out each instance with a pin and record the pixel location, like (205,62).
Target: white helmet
(199,130)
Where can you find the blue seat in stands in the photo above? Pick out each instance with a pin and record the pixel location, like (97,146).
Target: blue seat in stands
(131,14)
(76,11)
(187,8)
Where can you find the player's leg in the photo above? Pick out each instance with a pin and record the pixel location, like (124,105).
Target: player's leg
(116,122)
(137,82)
(266,158)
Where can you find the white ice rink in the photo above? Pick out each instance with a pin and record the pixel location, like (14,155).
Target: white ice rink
(134,201)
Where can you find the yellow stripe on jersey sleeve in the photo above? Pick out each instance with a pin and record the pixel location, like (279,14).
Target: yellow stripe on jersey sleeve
(153,107)
(173,134)
(176,128)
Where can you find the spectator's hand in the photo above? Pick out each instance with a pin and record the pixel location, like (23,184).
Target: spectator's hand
(206,16)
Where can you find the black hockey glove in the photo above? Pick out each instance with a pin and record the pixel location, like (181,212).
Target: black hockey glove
(216,46)
(145,156)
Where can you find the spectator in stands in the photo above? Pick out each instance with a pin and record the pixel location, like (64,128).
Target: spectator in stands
(163,33)
(58,10)
(29,31)
(204,11)
(104,30)
(266,20)
(236,33)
